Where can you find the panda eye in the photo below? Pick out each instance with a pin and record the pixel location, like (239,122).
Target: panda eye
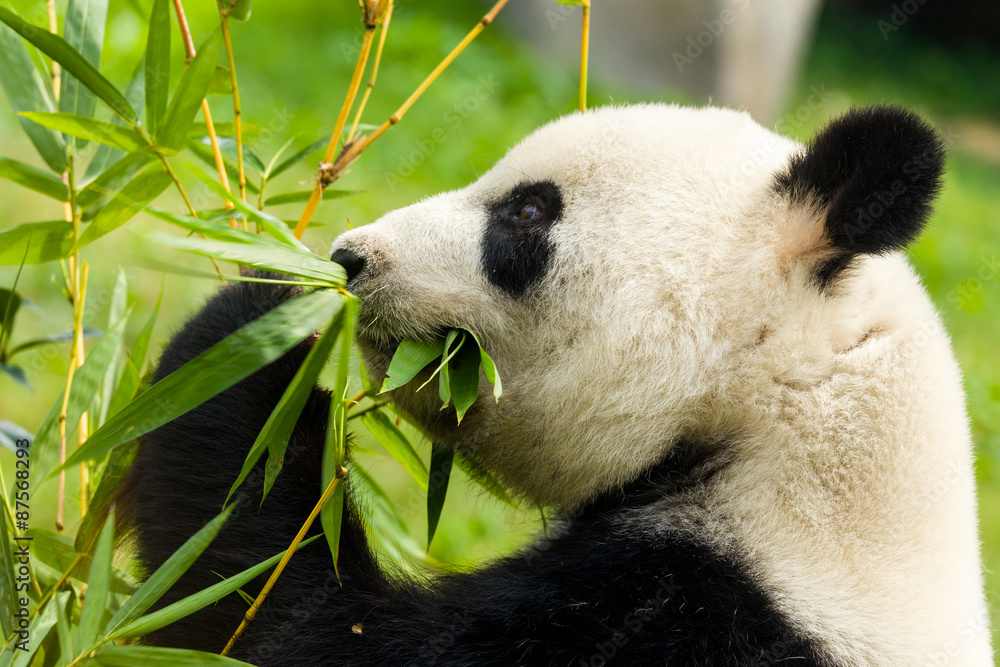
(528,213)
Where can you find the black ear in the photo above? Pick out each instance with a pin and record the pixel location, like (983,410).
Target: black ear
(874,172)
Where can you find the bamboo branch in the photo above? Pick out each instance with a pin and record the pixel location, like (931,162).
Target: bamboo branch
(252,611)
(584,54)
(237,108)
(54,70)
(371,81)
(83,429)
(338,128)
(351,152)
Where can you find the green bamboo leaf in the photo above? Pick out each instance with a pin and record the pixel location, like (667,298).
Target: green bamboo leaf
(202,148)
(382,428)
(299,155)
(56,48)
(8,599)
(131,378)
(157,79)
(335,447)
(10,304)
(17,374)
(192,603)
(93,198)
(222,82)
(225,129)
(274,158)
(34,179)
(464,380)
(62,602)
(89,129)
(105,155)
(116,310)
(229,147)
(59,552)
(489,369)
(119,461)
(191,90)
(216,369)
(83,29)
(272,225)
(293,197)
(98,585)
(239,10)
(82,394)
(411,357)
(442,367)
(167,574)
(36,242)
(158,656)
(38,631)
(27,91)
(134,197)
(52,338)
(437,488)
(278,259)
(279,425)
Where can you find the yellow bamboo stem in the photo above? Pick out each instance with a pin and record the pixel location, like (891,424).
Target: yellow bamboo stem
(371,81)
(252,611)
(331,147)
(54,69)
(83,429)
(237,108)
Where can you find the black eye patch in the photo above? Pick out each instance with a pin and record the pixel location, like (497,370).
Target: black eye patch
(516,246)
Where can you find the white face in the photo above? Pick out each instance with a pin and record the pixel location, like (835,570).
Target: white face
(661,262)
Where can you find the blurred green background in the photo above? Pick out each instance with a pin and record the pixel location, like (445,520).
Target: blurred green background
(294,60)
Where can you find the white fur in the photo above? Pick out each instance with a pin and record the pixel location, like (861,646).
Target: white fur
(679,304)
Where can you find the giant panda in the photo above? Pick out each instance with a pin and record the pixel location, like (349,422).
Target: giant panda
(719,371)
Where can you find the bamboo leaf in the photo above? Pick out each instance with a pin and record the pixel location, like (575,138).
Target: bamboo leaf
(158,656)
(89,129)
(442,367)
(279,425)
(192,603)
(98,585)
(37,631)
(82,394)
(437,488)
(56,48)
(335,448)
(132,198)
(27,91)
(118,464)
(489,369)
(59,552)
(228,146)
(17,373)
(272,225)
(299,155)
(191,90)
(34,179)
(411,357)
(8,599)
(99,192)
(279,259)
(62,602)
(464,380)
(157,79)
(222,82)
(239,10)
(36,242)
(382,428)
(52,338)
(202,148)
(83,29)
(167,574)
(116,310)
(224,129)
(293,197)
(216,369)
(105,155)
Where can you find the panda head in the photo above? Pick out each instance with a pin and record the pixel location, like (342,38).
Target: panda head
(644,276)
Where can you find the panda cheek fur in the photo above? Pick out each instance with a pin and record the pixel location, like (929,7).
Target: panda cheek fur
(873,173)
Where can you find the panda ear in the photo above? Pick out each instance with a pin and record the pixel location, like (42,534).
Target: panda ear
(872,175)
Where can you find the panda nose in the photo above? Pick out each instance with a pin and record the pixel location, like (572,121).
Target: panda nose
(352,262)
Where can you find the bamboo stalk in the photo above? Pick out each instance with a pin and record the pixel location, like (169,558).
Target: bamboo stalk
(83,429)
(371,81)
(237,108)
(252,611)
(54,70)
(345,108)
(352,151)
(584,54)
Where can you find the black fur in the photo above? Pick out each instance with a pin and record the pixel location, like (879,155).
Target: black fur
(517,253)
(876,170)
(595,592)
